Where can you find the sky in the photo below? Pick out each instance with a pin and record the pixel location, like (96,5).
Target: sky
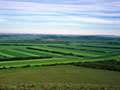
(78,17)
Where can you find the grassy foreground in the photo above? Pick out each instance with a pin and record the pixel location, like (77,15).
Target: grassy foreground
(60,77)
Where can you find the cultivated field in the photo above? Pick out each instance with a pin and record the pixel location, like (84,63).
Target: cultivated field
(50,62)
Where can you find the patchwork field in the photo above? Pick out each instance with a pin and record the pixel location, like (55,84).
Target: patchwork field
(62,60)
(55,53)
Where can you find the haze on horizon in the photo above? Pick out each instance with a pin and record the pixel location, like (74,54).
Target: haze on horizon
(78,17)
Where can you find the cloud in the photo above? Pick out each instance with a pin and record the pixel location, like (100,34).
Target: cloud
(67,16)
(61,30)
(62,18)
(2,19)
(116,4)
(32,6)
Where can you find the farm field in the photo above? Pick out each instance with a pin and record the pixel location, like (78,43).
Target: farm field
(75,60)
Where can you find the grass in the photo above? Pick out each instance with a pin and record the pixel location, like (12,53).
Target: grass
(23,68)
(60,56)
(40,53)
(69,76)
(5,54)
(38,62)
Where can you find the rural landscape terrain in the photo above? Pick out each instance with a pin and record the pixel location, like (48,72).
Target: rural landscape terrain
(59,62)
(59,44)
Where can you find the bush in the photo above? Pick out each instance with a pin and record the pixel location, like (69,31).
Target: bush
(113,65)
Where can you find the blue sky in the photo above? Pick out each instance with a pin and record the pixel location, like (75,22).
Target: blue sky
(84,17)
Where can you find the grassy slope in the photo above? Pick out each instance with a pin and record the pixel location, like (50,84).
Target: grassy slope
(59,77)
(64,74)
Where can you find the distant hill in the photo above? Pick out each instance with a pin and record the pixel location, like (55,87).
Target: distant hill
(56,38)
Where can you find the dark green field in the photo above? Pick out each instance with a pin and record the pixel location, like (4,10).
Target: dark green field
(56,62)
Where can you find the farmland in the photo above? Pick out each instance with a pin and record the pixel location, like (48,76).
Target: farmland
(68,59)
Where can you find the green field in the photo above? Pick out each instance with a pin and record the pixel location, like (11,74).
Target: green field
(60,53)
(65,76)
(71,62)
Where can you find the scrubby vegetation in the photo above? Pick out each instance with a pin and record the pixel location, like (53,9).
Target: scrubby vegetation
(113,65)
(46,86)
